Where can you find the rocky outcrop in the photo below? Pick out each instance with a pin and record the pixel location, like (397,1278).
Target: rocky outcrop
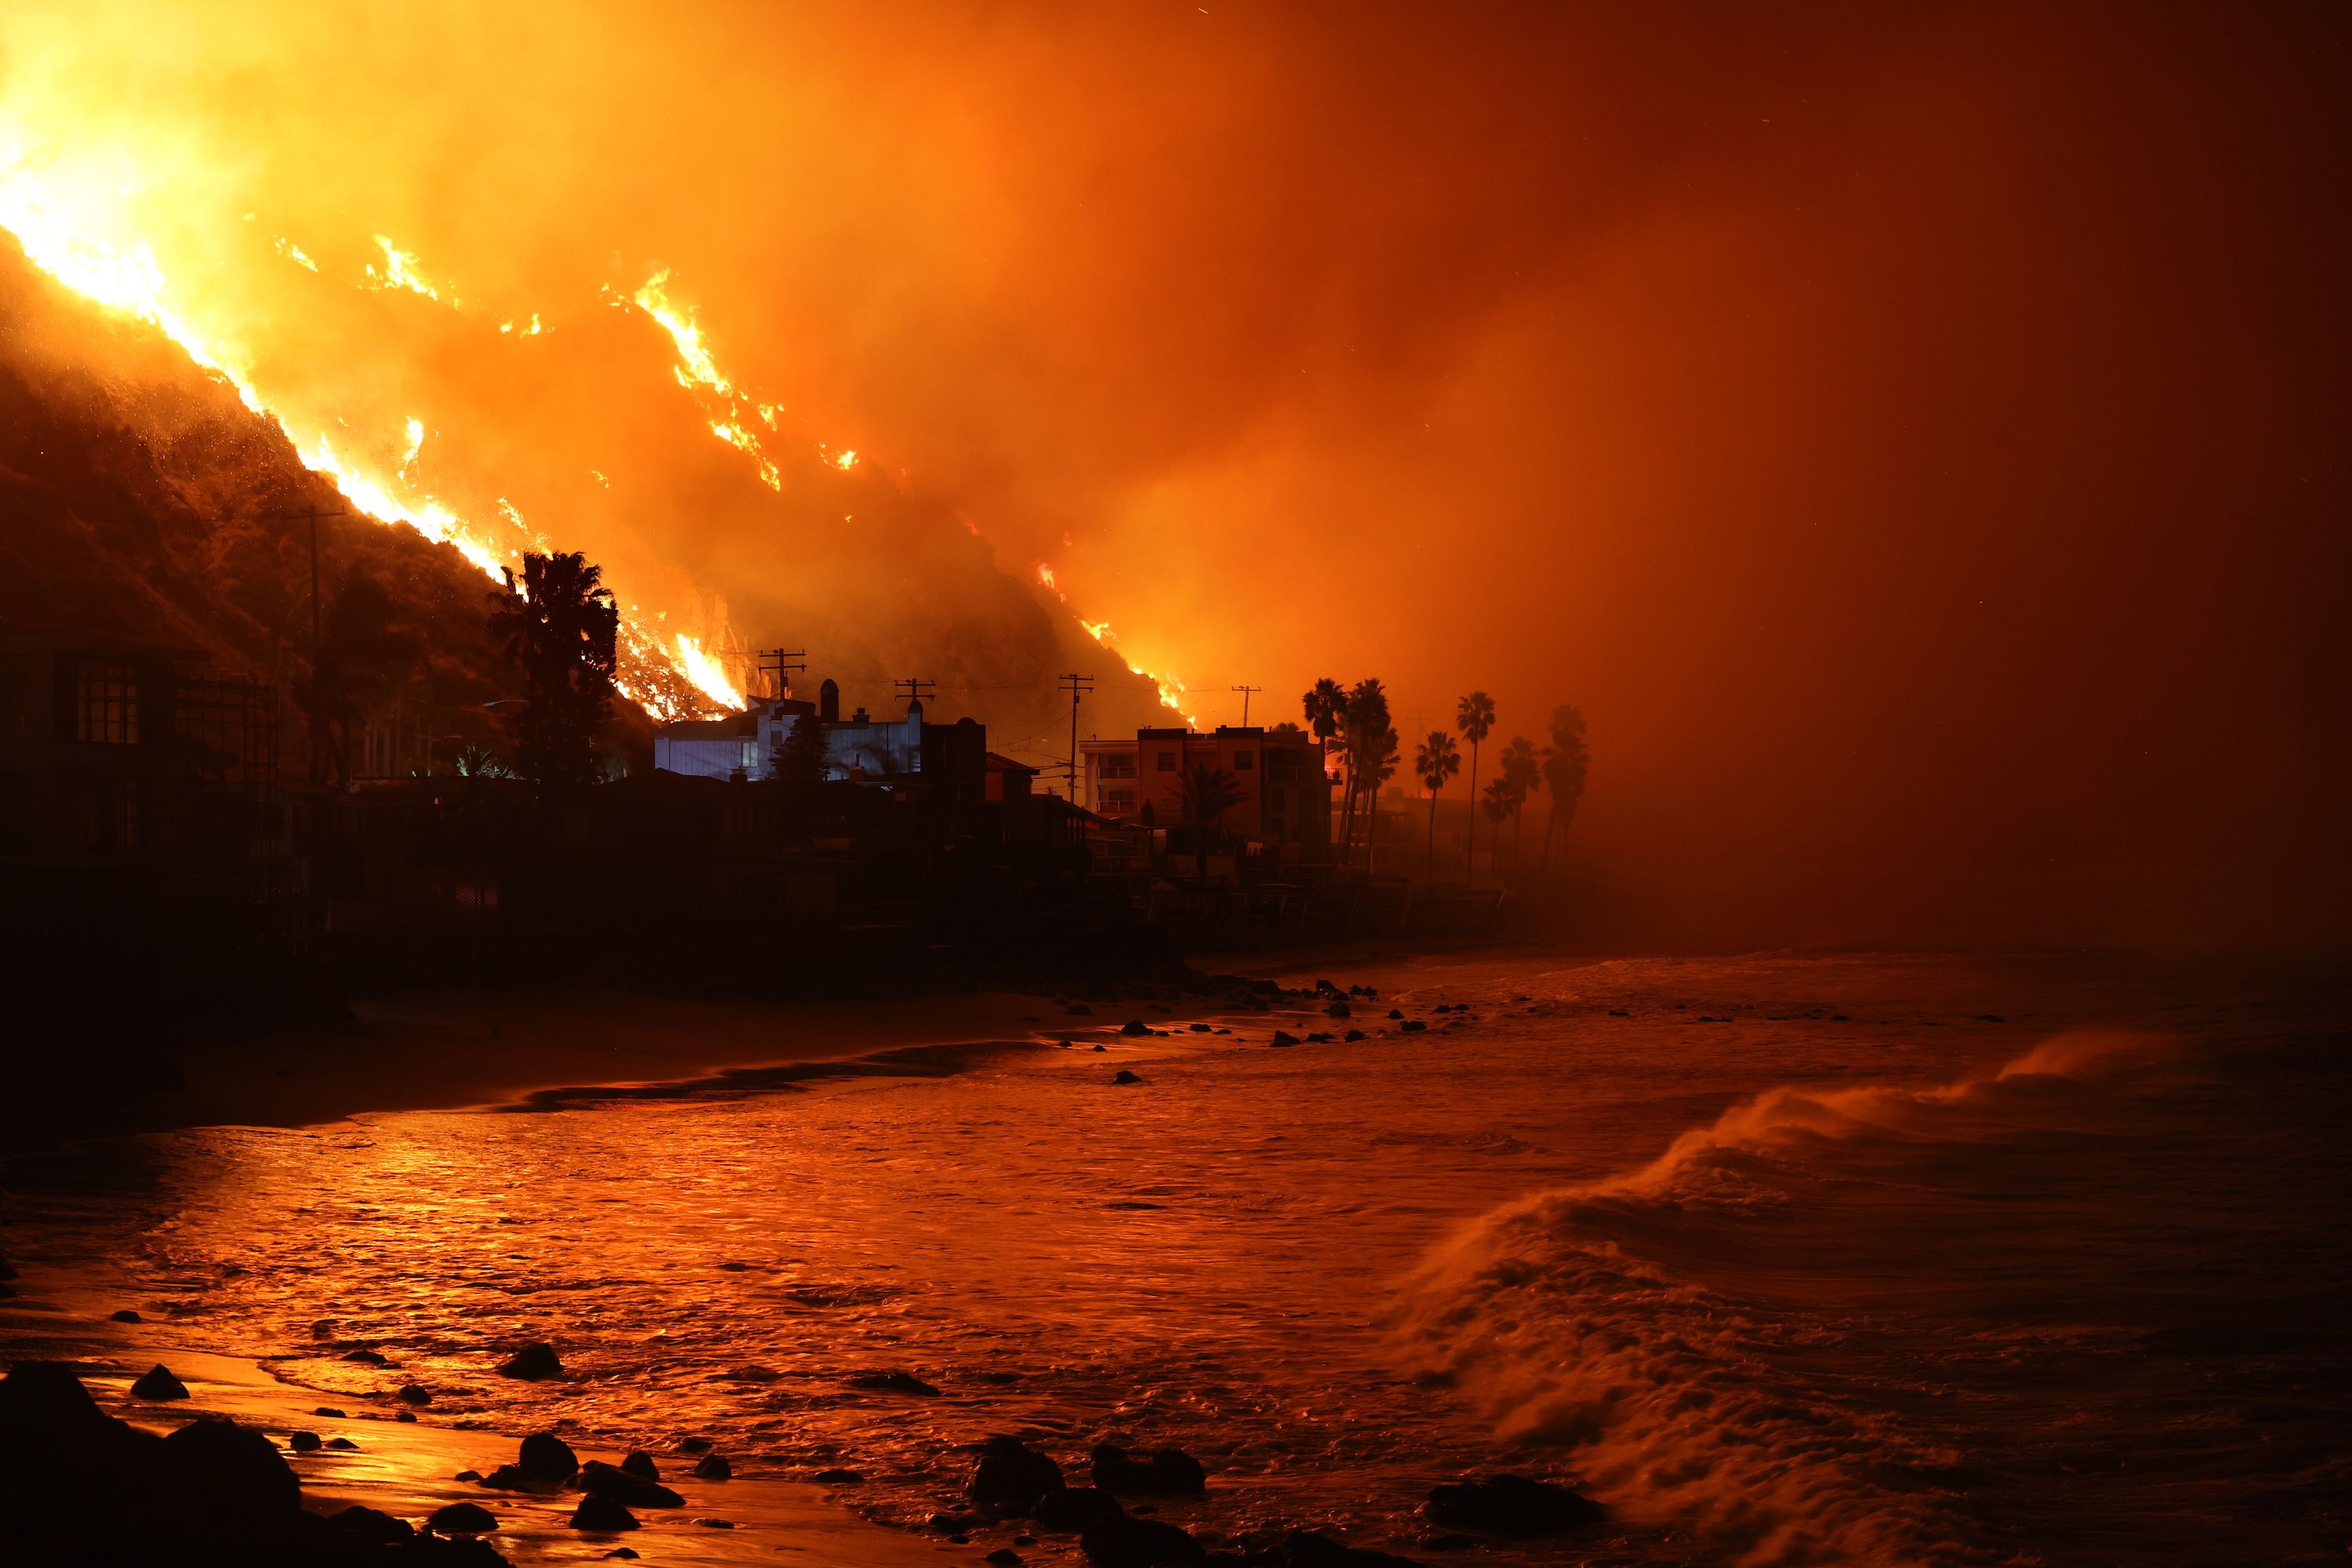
(1168,1472)
(1517,1507)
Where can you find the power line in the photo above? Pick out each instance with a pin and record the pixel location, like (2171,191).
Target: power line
(1245,691)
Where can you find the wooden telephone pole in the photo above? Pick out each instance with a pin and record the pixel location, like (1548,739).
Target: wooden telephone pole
(780,662)
(1076,686)
(1245,691)
(317,619)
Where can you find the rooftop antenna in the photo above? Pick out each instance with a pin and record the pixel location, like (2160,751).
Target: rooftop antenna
(1076,686)
(1245,691)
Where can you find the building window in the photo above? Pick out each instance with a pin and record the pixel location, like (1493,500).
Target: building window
(1118,764)
(107,705)
(1278,802)
(1167,761)
(1116,800)
(1243,762)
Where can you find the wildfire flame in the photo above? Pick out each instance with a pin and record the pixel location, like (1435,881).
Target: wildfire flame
(400,272)
(1170,689)
(57,229)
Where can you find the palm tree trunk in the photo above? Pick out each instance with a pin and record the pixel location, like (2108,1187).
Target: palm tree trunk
(1518,817)
(1433,835)
(1470,833)
(1551,815)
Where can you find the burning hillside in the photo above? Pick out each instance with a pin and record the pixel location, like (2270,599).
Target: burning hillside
(145,499)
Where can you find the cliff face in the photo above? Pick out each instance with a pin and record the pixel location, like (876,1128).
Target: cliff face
(136,494)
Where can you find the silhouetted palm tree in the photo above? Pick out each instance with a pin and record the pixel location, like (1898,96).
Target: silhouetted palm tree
(1565,764)
(1438,758)
(1495,805)
(1371,748)
(1520,773)
(1475,717)
(559,630)
(1323,704)
(365,655)
(1206,792)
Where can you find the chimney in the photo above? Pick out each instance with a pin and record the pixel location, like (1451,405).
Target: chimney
(828,702)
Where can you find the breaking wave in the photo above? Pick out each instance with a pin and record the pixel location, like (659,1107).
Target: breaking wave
(1729,1342)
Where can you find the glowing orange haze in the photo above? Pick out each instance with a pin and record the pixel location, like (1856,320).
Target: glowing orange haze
(1914,438)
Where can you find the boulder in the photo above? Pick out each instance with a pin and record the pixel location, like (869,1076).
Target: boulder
(1131,1543)
(893,1383)
(159,1385)
(124,1316)
(623,1554)
(1394,1013)
(1352,1036)
(1412,1026)
(370,1526)
(713,1468)
(602,1514)
(1339,1010)
(1169,1472)
(533,1363)
(239,1478)
(694,1445)
(839,1477)
(304,1442)
(415,1393)
(1284,1038)
(601,1479)
(1517,1507)
(342,1445)
(548,1457)
(1075,1510)
(1004,1557)
(366,1357)
(640,1463)
(514,1478)
(328,1410)
(462,1519)
(1135,1026)
(1013,1476)
(1123,1075)
(1313,1549)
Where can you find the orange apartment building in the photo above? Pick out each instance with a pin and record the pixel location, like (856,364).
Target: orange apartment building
(1286,796)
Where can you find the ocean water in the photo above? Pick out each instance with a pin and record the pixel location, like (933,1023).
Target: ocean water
(1798,1259)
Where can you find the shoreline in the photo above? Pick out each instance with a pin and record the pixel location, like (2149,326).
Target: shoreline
(520,1052)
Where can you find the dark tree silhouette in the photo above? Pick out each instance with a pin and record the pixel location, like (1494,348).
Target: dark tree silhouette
(1206,794)
(1437,759)
(798,765)
(1475,717)
(1565,764)
(1520,772)
(1369,740)
(559,629)
(365,655)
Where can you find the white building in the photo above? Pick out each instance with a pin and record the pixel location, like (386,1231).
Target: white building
(745,744)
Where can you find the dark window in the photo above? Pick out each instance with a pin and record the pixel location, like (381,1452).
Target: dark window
(1116,800)
(107,705)
(1167,761)
(1243,762)
(1119,765)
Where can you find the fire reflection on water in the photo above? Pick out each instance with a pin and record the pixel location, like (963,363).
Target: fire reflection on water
(1260,1256)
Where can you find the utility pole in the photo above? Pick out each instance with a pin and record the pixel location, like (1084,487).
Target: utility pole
(314,515)
(318,729)
(780,662)
(914,688)
(1076,686)
(1245,691)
